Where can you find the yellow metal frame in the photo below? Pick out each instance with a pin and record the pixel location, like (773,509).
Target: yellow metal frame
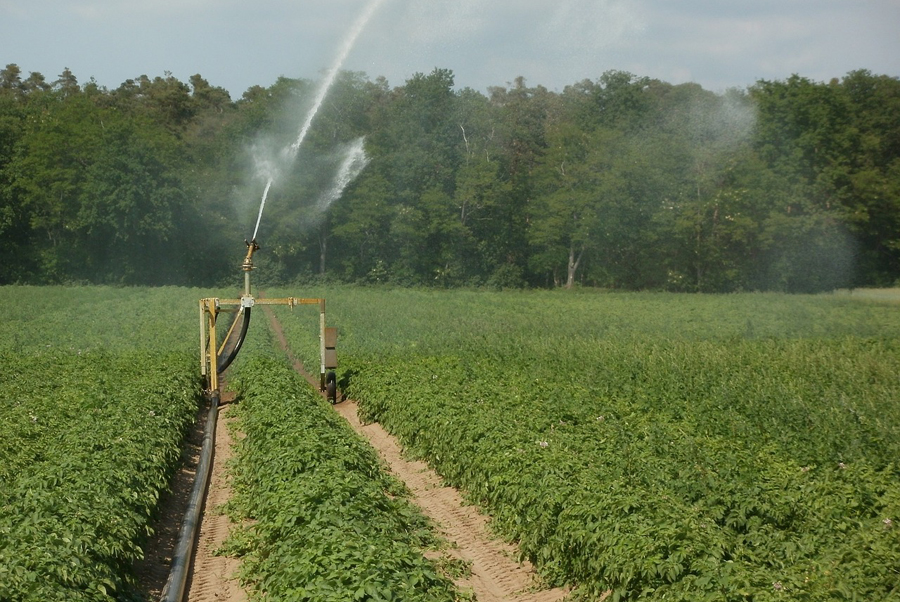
(211,307)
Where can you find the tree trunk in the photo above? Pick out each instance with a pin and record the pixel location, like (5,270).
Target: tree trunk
(573,265)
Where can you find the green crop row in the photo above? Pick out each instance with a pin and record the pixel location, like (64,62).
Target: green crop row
(663,447)
(325,521)
(653,493)
(97,388)
(88,442)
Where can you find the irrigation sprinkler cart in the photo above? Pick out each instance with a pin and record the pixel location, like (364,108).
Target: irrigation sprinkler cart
(215,358)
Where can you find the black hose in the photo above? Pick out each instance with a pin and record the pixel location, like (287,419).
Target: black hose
(224,363)
(181,558)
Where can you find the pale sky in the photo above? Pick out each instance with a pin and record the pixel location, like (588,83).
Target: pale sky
(236,44)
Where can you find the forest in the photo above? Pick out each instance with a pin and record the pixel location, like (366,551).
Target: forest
(621,182)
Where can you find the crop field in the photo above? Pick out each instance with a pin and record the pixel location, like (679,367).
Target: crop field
(97,387)
(657,446)
(322,521)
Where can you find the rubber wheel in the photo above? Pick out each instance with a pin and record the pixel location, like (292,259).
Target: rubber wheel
(331,387)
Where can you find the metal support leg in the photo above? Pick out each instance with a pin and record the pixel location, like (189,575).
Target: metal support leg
(321,344)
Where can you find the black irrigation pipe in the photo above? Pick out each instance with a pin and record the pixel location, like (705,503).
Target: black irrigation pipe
(224,363)
(184,549)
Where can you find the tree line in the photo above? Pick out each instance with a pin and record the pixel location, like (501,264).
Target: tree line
(623,182)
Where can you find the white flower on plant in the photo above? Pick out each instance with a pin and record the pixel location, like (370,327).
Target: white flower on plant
(841,465)
(888,523)
(152,413)
(778,586)
(543,443)
(33,417)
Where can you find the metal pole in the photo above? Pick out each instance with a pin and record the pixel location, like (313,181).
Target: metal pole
(322,344)
(247,265)
(202,339)
(213,360)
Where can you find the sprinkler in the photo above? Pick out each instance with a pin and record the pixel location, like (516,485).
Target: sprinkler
(215,358)
(247,266)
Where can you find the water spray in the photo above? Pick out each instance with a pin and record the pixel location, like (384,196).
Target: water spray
(214,359)
(349,42)
(355,160)
(290,152)
(262,205)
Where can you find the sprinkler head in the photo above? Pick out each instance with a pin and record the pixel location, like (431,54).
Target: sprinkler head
(252,247)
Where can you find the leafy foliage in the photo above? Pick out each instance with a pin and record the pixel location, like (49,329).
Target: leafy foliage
(326,522)
(97,389)
(88,444)
(662,447)
(621,182)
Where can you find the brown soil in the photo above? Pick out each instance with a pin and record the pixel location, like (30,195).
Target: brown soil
(495,575)
(213,578)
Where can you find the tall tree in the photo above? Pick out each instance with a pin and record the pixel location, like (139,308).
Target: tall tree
(521,126)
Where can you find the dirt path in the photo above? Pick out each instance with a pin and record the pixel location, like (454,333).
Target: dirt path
(495,576)
(213,577)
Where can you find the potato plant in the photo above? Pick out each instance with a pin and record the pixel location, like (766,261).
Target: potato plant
(662,447)
(326,523)
(87,445)
(97,389)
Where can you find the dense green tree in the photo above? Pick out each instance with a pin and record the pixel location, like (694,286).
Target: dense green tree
(413,148)
(67,83)
(11,80)
(522,114)
(871,190)
(706,137)
(131,204)
(623,182)
(48,173)
(362,221)
(570,213)
(832,144)
(13,218)
(100,190)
